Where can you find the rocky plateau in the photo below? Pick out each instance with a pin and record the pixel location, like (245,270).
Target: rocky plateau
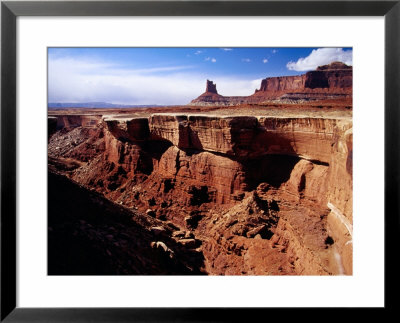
(258,185)
(231,195)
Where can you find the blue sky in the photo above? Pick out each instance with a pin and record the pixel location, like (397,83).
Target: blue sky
(173,75)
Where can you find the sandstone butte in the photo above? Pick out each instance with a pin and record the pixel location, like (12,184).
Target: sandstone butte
(257,188)
(332,81)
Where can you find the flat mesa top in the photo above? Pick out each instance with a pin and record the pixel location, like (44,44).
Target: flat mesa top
(284,111)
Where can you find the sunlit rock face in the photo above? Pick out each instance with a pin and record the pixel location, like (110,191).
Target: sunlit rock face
(332,81)
(264,195)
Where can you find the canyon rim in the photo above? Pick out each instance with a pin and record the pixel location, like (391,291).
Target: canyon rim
(147,176)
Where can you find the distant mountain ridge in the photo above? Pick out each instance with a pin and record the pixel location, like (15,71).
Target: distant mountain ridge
(55,105)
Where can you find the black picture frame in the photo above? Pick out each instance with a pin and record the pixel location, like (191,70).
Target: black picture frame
(10,10)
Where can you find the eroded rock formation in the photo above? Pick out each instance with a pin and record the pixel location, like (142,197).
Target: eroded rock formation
(211,87)
(332,81)
(282,83)
(253,194)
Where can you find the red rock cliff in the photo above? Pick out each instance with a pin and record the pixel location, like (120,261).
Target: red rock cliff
(332,76)
(265,195)
(330,81)
(282,83)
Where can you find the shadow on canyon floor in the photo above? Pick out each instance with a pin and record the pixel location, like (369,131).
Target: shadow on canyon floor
(89,235)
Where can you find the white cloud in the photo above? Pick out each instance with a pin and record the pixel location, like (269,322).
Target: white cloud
(265,60)
(321,56)
(211,59)
(72,80)
(198,52)
(227,49)
(247,60)
(274,51)
(154,69)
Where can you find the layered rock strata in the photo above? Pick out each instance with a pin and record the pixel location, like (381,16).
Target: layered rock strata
(70,122)
(282,83)
(332,81)
(264,195)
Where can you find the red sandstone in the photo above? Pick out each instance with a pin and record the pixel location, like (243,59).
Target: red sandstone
(263,195)
(263,187)
(333,81)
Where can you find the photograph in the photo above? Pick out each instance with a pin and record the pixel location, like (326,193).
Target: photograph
(152,147)
(200,161)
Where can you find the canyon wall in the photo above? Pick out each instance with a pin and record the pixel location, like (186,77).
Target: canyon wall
(282,83)
(71,121)
(264,195)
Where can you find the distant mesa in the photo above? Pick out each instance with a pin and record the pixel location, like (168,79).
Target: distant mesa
(331,81)
(211,97)
(94,105)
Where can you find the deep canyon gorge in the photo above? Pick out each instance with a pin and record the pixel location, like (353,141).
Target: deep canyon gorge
(258,185)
